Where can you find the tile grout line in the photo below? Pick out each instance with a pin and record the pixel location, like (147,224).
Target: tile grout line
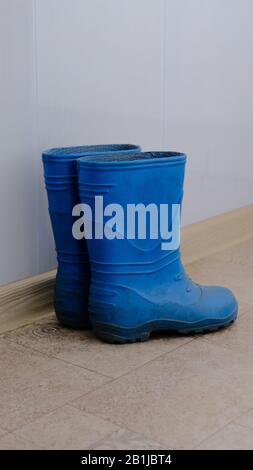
(225,348)
(83,368)
(145,363)
(83,412)
(232,421)
(124,427)
(134,368)
(114,379)
(244,426)
(127,373)
(116,424)
(51,356)
(96,443)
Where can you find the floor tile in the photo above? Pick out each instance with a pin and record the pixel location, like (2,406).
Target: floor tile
(246,419)
(241,254)
(238,337)
(2,432)
(180,398)
(66,428)
(32,384)
(243,308)
(13,442)
(85,350)
(64,389)
(231,437)
(126,440)
(214,271)
(47,336)
(115,360)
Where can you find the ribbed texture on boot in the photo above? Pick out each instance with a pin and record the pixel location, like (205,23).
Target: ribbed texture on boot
(137,287)
(73,274)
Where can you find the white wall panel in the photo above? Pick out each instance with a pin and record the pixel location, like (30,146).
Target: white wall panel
(209,101)
(18,170)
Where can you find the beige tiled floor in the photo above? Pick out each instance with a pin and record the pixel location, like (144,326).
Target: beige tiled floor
(64,389)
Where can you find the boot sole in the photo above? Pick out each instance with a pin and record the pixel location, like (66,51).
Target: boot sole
(119,335)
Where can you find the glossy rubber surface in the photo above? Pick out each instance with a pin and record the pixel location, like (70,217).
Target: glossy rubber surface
(73,273)
(136,287)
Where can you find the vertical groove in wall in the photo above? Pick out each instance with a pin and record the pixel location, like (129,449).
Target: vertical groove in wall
(36,130)
(164,73)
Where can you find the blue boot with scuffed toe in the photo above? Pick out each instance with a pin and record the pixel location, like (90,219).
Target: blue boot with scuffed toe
(136,286)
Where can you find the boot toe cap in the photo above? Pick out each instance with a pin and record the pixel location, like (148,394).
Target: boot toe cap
(220,302)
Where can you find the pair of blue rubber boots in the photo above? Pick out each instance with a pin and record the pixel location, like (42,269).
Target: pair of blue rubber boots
(124,287)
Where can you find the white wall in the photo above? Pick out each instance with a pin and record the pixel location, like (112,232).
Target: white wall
(209,101)
(18,158)
(162,73)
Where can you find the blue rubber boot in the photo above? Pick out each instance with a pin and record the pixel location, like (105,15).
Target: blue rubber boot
(73,274)
(137,287)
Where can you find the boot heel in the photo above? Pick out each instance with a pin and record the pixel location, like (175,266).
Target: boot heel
(119,335)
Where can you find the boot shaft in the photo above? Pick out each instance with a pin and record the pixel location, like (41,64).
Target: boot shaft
(73,273)
(147,179)
(60,172)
